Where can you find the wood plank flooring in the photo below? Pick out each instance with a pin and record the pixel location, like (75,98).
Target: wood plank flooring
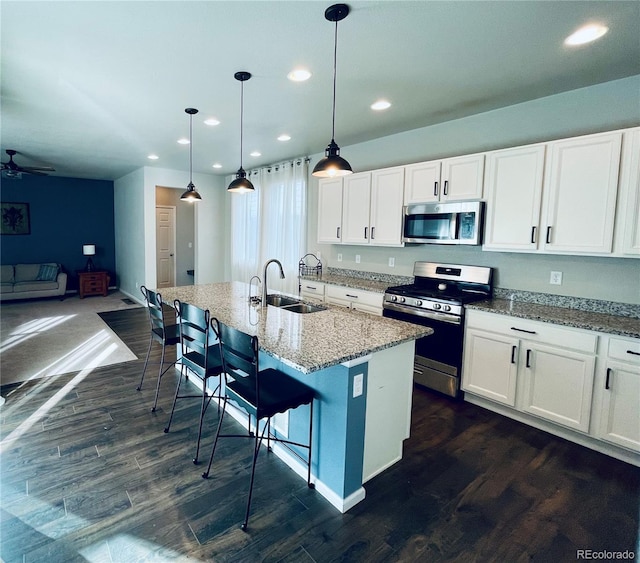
(92,477)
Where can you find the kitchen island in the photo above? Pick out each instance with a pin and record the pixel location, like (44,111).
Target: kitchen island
(360,365)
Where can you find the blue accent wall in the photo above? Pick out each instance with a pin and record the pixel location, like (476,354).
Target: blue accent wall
(65,213)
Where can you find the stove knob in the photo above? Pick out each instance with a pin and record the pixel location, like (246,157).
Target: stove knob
(447,307)
(402,300)
(437,306)
(394,298)
(418,303)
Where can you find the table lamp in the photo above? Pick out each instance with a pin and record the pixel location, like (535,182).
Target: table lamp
(89,250)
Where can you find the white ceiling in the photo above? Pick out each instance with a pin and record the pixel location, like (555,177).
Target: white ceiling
(91,87)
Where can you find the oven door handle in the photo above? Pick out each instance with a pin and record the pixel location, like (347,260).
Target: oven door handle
(436,316)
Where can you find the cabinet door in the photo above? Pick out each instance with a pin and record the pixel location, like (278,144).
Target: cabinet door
(557,384)
(330,210)
(628,214)
(490,366)
(387,195)
(356,198)
(580,193)
(514,192)
(422,182)
(462,178)
(620,410)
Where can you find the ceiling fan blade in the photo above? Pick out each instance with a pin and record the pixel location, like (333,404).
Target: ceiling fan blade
(37,169)
(34,172)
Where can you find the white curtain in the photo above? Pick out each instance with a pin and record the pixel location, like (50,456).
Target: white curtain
(271,223)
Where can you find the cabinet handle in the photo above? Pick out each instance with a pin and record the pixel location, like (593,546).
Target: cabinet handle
(365,233)
(373,233)
(528,364)
(632,352)
(513,354)
(352,296)
(523,330)
(446,187)
(310,287)
(606,383)
(435,188)
(533,235)
(337,232)
(548,235)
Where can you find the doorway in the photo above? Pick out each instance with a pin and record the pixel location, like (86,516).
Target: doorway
(165,246)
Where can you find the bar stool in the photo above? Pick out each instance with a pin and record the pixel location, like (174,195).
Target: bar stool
(198,356)
(161,332)
(261,393)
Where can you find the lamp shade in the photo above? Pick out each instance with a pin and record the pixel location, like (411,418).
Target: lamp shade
(191,194)
(332,164)
(240,184)
(89,249)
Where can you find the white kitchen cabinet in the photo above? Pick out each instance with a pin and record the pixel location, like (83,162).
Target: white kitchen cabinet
(330,210)
(537,368)
(620,400)
(312,290)
(490,365)
(458,178)
(580,190)
(372,207)
(513,191)
(357,299)
(627,228)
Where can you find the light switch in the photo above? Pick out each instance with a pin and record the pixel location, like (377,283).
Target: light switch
(358,381)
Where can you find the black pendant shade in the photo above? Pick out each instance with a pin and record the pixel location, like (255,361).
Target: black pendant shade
(191,194)
(333,164)
(241,184)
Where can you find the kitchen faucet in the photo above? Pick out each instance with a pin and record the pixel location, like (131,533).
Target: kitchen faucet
(264,278)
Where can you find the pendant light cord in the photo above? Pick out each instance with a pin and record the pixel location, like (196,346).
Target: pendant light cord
(335,62)
(190,150)
(241,117)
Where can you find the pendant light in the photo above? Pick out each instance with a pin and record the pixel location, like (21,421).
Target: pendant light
(191,194)
(241,184)
(333,164)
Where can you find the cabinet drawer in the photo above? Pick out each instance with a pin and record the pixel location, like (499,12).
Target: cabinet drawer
(355,295)
(92,278)
(535,331)
(315,289)
(626,350)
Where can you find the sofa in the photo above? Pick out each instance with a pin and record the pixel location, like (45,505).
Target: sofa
(26,281)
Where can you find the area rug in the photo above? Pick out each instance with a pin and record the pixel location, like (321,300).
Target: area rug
(50,337)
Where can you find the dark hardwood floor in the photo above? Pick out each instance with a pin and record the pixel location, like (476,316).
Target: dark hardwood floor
(87,474)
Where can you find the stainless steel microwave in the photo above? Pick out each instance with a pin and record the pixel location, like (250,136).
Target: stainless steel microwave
(444,223)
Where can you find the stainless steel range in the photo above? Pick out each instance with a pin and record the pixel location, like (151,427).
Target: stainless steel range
(436,299)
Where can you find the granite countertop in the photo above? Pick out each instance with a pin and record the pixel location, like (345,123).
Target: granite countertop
(306,342)
(589,320)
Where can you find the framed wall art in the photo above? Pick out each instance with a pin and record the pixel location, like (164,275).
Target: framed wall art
(15,218)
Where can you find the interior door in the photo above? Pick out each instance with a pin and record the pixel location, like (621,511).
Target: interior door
(165,246)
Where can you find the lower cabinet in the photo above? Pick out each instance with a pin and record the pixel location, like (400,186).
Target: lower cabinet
(580,385)
(357,299)
(312,291)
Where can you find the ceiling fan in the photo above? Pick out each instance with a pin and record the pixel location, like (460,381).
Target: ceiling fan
(12,170)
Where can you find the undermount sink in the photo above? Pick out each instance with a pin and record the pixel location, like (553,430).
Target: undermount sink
(303,308)
(281,300)
(292,304)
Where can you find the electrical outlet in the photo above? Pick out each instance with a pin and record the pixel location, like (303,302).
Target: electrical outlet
(358,382)
(339,257)
(357,259)
(556,278)
(392,262)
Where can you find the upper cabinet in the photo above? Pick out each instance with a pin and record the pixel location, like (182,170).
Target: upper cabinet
(580,191)
(330,210)
(513,191)
(554,198)
(627,228)
(363,208)
(452,179)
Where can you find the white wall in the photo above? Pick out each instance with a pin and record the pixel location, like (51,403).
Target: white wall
(607,106)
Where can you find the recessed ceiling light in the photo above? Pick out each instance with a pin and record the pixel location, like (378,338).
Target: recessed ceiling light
(217,165)
(211,121)
(284,137)
(183,141)
(299,75)
(586,34)
(256,153)
(380,105)
(153,157)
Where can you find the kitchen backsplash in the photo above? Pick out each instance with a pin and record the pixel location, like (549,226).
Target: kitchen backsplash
(371,276)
